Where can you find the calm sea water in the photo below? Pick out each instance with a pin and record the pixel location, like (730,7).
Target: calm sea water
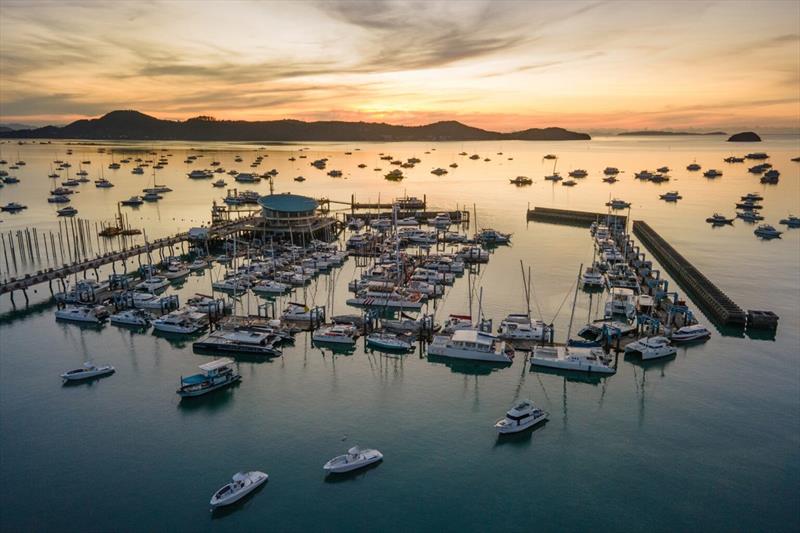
(709,440)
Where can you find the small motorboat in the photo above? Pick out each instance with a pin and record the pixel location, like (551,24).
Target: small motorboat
(13,207)
(671,196)
(791,221)
(749,216)
(354,459)
(299,179)
(198,264)
(153,284)
(335,334)
(712,173)
(87,371)
(132,201)
(693,333)
(616,203)
(693,167)
(79,313)
(387,341)
(269,286)
(765,231)
(242,484)
(521,180)
(651,348)
(67,211)
(718,220)
(522,416)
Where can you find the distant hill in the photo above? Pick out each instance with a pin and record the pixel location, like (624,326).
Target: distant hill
(660,133)
(14,126)
(745,137)
(138,126)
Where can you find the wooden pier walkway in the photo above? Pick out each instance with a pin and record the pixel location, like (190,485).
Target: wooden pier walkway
(573,218)
(715,302)
(49,275)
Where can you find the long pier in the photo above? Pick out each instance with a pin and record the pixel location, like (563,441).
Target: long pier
(716,302)
(49,275)
(574,218)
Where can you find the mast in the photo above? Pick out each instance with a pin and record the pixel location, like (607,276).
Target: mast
(574,300)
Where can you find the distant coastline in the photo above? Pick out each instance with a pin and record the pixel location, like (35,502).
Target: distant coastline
(133,125)
(653,133)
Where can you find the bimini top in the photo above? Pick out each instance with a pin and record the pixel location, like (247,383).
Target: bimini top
(214,365)
(288,203)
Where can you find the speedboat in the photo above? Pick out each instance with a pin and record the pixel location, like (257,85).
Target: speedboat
(153,284)
(215,375)
(87,371)
(651,348)
(335,334)
(610,171)
(441,220)
(219,183)
(616,203)
(79,313)
(471,344)
(490,236)
(749,216)
(693,167)
(520,417)
(301,313)
(387,341)
(765,231)
(131,317)
(719,220)
(521,180)
(693,333)
(791,221)
(242,484)
(592,360)
(354,459)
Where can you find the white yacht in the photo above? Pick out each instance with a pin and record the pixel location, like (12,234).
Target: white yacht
(592,278)
(441,220)
(471,344)
(520,327)
(572,358)
(183,321)
(79,313)
(131,317)
(207,304)
(176,270)
(651,348)
(200,174)
(622,302)
(693,333)
(387,341)
(198,264)
(616,203)
(335,334)
(87,371)
(301,313)
(153,284)
(216,374)
(270,287)
(242,484)
(522,416)
(354,459)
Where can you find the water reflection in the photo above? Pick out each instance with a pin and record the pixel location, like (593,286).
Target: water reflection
(522,438)
(470,368)
(571,375)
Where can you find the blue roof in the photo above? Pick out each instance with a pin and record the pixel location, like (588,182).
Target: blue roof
(288,203)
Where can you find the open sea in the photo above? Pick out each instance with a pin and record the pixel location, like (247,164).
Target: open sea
(706,441)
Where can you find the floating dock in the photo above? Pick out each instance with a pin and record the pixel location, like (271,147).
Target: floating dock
(574,218)
(715,302)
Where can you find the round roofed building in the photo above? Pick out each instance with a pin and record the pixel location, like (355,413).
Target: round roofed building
(288,209)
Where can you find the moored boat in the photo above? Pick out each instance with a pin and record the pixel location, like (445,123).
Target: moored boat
(521,416)
(354,459)
(242,484)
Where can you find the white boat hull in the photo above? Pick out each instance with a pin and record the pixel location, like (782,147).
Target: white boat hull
(256,480)
(504,427)
(339,466)
(579,366)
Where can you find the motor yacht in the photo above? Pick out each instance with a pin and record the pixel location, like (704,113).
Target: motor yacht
(133,201)
(521,180)
(580,359)
(335,334)
(200,174)
(153,284)
(621,302)
(712,173)
(618,204)
(592,278)
(215,375)
(131,317)
(521,416)
(13,207)
(791,221)
(441,220)
(241,341)
(270,287)
(198,264)
(766,231)
(175,270)
(354,459)
(610,171)
(103,183)
(719,220)
(671,196)
(693,167)
(387,341)
(68,211)
(95,314)
(471,344)
(651,348)
(749,216)
(490,236)
(301,313)
(692,333)
(87,371)
(184,321)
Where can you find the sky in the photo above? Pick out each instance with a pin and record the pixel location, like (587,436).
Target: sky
(588,66)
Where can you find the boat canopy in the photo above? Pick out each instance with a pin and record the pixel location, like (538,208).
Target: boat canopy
(472,335)
(215,365)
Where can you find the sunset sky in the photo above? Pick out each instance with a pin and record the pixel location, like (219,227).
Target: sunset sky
(500,65)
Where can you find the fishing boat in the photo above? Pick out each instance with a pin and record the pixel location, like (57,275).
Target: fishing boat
(592,360)
(692,333)
(131,317)
(87,371)
(387,341)
(215,375)
(96,314)
(521,416)
(655,347)
(242,484)
(354,459)
(471,344)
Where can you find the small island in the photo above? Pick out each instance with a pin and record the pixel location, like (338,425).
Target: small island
(745,137)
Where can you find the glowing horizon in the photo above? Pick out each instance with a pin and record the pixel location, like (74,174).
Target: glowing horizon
(502,66)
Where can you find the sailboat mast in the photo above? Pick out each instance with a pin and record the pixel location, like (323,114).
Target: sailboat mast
(574,301)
